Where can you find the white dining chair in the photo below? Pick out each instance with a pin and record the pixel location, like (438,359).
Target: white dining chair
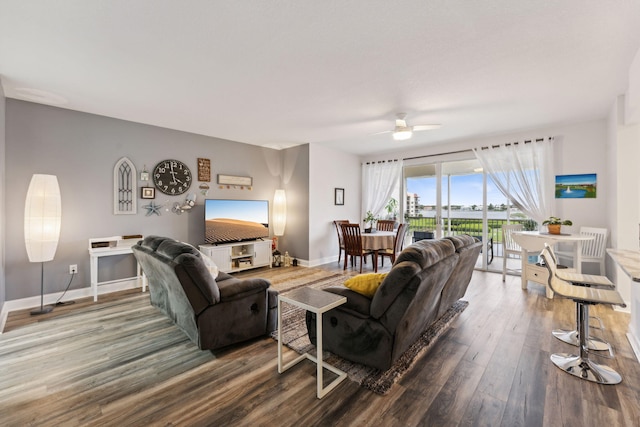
(593,251)
(509,246)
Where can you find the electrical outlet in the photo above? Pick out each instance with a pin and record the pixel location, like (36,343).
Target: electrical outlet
(73,268)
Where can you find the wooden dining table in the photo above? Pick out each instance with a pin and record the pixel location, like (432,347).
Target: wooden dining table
(377,241)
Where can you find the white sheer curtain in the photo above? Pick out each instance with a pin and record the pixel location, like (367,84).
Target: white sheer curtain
(523,172)
(380,182)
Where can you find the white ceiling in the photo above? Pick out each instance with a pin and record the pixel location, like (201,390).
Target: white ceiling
(279,73)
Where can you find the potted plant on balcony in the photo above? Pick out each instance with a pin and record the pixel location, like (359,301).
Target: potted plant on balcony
(392,208)
(554,224)
(369,222)
(529,225)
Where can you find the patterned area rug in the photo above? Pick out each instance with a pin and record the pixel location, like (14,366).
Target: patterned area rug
(287,279)
(295,331)
(295,337)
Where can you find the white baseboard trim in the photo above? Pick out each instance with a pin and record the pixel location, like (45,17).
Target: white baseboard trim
(326,260)
(49,299)
(626,309)
(635,344)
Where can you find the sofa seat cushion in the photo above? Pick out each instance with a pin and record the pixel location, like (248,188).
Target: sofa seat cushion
(365,284)
(233,288)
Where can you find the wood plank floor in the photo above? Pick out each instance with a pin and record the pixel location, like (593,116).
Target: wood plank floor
(491,368)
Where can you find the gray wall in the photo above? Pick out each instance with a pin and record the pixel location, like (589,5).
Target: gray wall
(2,193)
(295,181)
(82,149)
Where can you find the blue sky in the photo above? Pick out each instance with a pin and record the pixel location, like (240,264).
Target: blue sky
(465,190)
(588,178)
(246,210)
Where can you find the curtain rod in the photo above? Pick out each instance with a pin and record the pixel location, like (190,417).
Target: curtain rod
(470,150)
(439,154)
(528,141)
(381,161)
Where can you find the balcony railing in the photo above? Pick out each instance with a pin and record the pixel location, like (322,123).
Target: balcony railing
(472,226)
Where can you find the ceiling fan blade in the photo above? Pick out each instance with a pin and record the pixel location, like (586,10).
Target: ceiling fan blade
(380,133)
(426,127)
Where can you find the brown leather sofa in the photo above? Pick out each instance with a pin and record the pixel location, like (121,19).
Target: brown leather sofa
(425,280)
(214,313)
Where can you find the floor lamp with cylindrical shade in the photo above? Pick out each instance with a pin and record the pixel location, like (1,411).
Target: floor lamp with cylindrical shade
(42,219)
(279,212)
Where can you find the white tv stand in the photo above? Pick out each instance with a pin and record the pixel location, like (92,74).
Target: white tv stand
(232,257)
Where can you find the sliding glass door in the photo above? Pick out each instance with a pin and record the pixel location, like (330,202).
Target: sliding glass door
(447,198)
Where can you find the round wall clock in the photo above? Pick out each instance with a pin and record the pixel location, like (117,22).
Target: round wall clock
(172,177)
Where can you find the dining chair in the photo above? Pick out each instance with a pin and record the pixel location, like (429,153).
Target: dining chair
(398,242)
(593,251)
(337,223)
(580,365)
(353,245)
(509,246)
(385,224)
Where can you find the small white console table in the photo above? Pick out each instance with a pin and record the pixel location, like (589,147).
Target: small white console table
(110,246)
(318,302)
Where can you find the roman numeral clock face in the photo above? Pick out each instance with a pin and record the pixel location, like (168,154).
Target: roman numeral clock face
(172,177)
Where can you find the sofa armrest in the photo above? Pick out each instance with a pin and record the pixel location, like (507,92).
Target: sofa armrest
(233,288)
(223,276)
(356,303)
(272,310)
(354,312)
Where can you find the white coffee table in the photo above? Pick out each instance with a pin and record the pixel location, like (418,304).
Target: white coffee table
(318,302)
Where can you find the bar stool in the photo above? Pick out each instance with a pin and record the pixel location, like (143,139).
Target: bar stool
(578,279)
(580,365)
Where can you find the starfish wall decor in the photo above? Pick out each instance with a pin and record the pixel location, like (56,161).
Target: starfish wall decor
(152,208)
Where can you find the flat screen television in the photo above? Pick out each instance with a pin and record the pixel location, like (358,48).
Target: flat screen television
(227,221)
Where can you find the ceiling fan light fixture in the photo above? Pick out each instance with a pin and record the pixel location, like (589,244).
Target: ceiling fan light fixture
(402,135)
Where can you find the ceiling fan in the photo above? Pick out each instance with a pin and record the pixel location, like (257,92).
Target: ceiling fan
(403,132)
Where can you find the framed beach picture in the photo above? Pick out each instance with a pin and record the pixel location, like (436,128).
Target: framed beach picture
(576,186)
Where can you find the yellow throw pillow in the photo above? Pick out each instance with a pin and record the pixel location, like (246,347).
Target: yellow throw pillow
(365,284)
